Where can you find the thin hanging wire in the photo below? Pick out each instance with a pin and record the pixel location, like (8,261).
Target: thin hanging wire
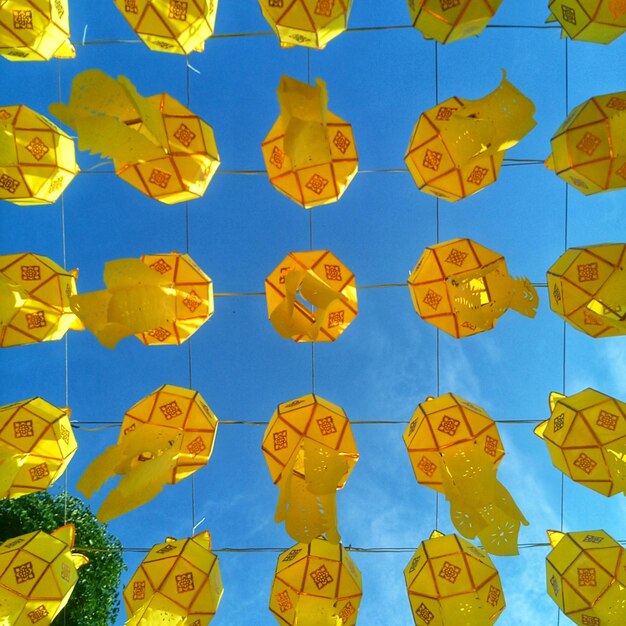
(308,80)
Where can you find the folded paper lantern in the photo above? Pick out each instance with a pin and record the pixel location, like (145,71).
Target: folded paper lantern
(599,21)
(327,289)
(586,439)
(455,448)
(458,146)
(310,23)
(316,584)
(159,298)
(157,145)
(164,438)
(171,25)
(453,583)
(37,159)
(462,288)
(585,577)
(310,451)
(587,288)
(35,31)
(589,148)
(178,582)
(309,153)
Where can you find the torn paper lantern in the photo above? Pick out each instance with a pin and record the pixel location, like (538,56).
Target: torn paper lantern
(309,153)
(310,451)
(35,31)
(178,583)
(159,298)
(463,288)
(453,583)
(35,300)
(316,584)
(586,439)
(311,296)
(598,21)
(589,148)
(157,145)
(451,20)
(36,445)
(455,448)
(37,159)
(164,438)
(171,25)
(586,578)
(458,146)
(310,23)
(587,287)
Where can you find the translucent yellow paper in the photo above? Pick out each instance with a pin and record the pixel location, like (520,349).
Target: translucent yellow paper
(598,21)
(164,438)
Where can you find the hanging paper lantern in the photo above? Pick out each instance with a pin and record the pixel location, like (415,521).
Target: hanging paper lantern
(458,146)
(309,153)
(586,439)
(585,577)
(310,451)
(455,448)
(159,298)
(164,438)
(453,583)
(463,288)
(589,148)
(178,582)
(316,584)
(157,145)
(587,288)
(310,23)
(599,21)
(451,20)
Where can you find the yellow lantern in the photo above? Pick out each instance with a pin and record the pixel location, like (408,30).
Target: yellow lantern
(458,146)
(309,23)
(599,21)
(586,439)
(451,20)
(157,145)
(589,148)
(316,584)
(455,448)
(310,451)
(585,577)
(309,153)
(178,582)
(159,298)
(587,287)
(38,572)
(453,583)
(163,439)
(37,159)
(35,31)
(462,288)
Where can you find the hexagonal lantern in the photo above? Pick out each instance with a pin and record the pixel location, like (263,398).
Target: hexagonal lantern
(453,583)
(587,287)
(586,439)
(599,21)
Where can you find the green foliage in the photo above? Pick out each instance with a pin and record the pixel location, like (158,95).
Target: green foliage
(94,601)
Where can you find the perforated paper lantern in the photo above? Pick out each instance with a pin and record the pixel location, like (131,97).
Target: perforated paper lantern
(589,148)
(310,451)
(462,288)
(37,159)
(599,21)
(36,445)
(586,578)
(316,584)
(159,298)
(178,582)
(455,448)
(163,439)
(453,583)
(587,288)
(309,153)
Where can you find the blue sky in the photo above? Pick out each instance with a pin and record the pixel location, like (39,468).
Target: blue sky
(385,363)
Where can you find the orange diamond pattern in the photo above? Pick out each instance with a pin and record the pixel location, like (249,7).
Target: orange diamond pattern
(449,572)
(448,425)
(321,577)
(277,158)
(427,466)
(589,143)
(424,614)
(326,425)
(587,272)
(280,440)
(23,429)
(335,318)
(37,148)
(185,135)
(432,299)
(317,184)
(585,463)
(586,577)
(456,257)
(170,410)
(607,420)
(432,159)
(39,471)
(284,602)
